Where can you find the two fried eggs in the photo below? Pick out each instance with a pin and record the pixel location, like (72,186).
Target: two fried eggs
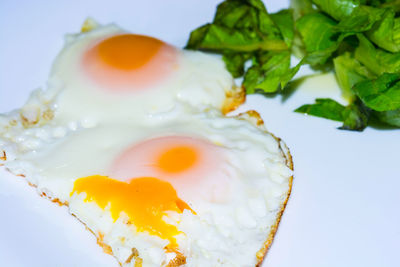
(130,134)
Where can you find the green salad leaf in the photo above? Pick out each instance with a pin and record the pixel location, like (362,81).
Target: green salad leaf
(285,23)
(244,31)
(381,94)
(213,37)
(394,4)
(354,116)
(269,71)
(349,72)
(324,108)
(361,19)
(378,61)
(357,39)
(391,117)
(337,9)
(301,8)
(319,47)
(235,62)
(386,32)
(240,26)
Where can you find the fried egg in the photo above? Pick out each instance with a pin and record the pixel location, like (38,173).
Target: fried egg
(130,134)
(108,74)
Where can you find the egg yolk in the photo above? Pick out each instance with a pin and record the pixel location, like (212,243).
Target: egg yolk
(145,200)
(128,51)
(195,167)
(128,62)
(177,159)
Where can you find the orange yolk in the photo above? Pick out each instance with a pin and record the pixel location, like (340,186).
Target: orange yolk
(128,51)
(129,62)
(177,159)
(145,200)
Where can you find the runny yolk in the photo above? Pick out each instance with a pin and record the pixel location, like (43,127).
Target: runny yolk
(127,63)
(177,159)
(128,51)
(145,200)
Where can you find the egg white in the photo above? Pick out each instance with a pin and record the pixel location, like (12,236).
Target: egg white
(227,234)
(198,79)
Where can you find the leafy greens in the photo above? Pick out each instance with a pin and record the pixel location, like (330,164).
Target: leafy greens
(359,38)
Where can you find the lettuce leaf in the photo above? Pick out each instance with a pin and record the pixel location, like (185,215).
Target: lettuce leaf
(234,62)
(361,19)
(349,71)
(381,94)
(337,9)
(391,117)
(324,108)
(319,47)
(212,37)
(284,21)
(243,30)
(354,116)
(378,61)
(240,26)
(269,72)
(386,33)
(301,8)
(360,39)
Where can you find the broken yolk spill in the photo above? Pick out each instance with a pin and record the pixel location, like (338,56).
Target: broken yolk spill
(145,200)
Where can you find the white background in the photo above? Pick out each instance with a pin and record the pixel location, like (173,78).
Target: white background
(344,208)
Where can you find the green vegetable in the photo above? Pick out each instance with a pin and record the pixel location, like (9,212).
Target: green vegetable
(269,71)
(319,47)
(324,108)
(349,71)
(219,38)
(358,39)
(361,19)
(337,9)
(386,33)
(354,117)
(235,62)
(242,31)
(381,94)
(301,8)
(240,26)
(376,60)
(284,21)
(391,117)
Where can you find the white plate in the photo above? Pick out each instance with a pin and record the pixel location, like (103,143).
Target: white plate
(344,206)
